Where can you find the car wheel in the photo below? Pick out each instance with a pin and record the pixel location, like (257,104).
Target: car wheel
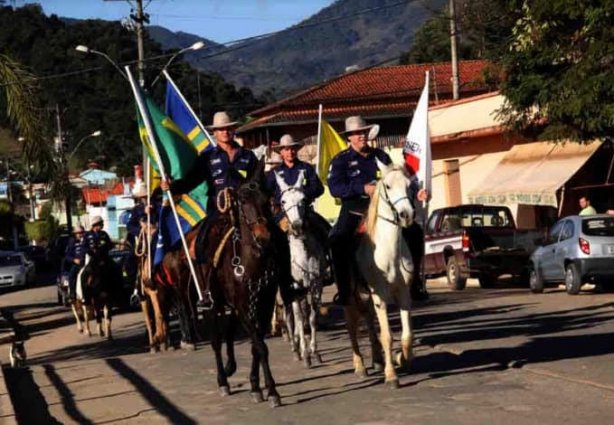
(487,280)
(455,280)
(573,280)
(536,282)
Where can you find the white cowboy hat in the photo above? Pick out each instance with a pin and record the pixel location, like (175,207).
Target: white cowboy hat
(139,190)
(78,229)
(221,120)
(96,220)
(286,141)
(357,123)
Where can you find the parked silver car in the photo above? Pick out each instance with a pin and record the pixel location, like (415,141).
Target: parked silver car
(577,250)
(15,269)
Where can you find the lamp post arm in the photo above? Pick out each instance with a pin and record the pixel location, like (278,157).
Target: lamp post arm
(104,55)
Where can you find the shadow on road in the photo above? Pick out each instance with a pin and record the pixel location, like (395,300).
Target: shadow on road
(150,393)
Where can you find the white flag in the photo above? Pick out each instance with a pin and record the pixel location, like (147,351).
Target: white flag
(417,149)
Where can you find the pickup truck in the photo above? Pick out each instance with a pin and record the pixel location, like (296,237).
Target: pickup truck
(479,241)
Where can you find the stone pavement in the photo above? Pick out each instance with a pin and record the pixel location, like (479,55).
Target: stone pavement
(483,356)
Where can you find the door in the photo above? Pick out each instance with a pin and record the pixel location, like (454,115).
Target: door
(562,250)
(546,260)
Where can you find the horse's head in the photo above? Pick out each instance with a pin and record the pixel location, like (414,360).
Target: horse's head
(253,207)
(293,201)
(393,190)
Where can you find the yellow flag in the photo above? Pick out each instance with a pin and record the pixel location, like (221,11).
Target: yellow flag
(330,145)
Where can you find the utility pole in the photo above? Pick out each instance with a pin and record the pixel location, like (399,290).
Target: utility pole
(139,19)
(60,152)
(454,52)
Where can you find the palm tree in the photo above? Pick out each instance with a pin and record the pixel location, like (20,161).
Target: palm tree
(24,111)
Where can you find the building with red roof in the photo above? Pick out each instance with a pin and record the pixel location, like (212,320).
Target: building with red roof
(386,95)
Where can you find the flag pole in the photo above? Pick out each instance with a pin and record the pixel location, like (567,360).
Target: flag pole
(318,140)
(185,102)
(150,133)
(147,209)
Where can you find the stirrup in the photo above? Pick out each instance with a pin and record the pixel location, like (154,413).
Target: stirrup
(206,303)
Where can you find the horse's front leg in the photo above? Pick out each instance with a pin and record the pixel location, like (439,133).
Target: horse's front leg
(86,320)
(288,309)
(299,332)
(263,353)
(160,337)
(73,306)
(407,335)
(231,362)
(386,339)
(107,320)
(316,297)
(145,306)
(351,319)
(98,316)
(216,345)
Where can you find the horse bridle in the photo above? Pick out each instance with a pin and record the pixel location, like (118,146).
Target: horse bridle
(296,205)
(396,220)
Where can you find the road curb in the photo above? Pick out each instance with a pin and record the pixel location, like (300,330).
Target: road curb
(7,411)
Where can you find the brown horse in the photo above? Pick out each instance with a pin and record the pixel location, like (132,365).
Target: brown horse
(241,258)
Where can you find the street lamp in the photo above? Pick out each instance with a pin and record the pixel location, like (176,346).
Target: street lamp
(96,133)
(84,49)
(30,193)
(196,46)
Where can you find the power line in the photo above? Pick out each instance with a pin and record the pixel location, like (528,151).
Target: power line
(239,43)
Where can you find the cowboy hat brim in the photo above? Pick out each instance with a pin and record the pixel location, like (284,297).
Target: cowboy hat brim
(363,128)
(217,127)
(277,148)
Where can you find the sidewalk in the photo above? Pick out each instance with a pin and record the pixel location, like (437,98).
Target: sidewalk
(7,412)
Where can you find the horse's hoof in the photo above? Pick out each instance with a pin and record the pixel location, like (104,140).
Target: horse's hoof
(109,337)
(361,373)
(230,369)
(224,390)
(153,350)
(378,367)
(188,346)
(307,361)
(256,396)
(80,331)
(317,358)
(393,384)
(297,357)
(274,401)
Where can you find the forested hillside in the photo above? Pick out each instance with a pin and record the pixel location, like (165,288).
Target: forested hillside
(91,94)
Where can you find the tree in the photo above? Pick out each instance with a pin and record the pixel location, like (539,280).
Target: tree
(484,28)
(560,69)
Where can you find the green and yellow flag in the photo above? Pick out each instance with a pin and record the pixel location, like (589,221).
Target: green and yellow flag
(178,155)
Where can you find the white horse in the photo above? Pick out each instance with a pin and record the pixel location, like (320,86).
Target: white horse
(308,268)
(384,261)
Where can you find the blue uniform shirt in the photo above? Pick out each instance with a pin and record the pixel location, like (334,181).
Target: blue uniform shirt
(98,242)
(215,167)
(75,249)
(312,187)
(350,171)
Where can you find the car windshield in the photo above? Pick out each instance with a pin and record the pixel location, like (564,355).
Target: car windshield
(10,260)
(602,226)
(476,217)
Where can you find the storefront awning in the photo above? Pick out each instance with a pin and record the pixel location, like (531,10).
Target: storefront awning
(532,173)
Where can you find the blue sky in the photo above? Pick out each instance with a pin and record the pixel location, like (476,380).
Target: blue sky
(217,20)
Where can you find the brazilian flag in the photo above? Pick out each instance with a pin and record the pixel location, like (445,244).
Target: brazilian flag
(178,154)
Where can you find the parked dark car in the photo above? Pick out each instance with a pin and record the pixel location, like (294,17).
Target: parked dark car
(56,250)
(38,254)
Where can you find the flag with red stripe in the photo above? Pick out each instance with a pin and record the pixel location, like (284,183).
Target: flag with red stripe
(417,148)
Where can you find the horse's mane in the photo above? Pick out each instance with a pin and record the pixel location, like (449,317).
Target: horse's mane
(374,203)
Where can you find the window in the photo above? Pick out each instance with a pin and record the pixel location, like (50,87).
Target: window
(598,226)
(567,231)
(554,233)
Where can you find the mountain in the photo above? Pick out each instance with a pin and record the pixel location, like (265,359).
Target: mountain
(178,40)
(347,33)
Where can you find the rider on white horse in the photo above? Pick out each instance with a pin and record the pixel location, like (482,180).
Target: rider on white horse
(352,176)
(289,171)
(74,257)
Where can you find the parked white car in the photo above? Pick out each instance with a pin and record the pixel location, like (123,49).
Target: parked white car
(15,269)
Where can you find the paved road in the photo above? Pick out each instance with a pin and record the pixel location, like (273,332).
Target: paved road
(483,356)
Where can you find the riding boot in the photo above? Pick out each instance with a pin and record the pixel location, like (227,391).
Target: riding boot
(342,263)
(414,237)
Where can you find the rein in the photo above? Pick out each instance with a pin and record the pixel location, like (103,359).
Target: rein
(395,215)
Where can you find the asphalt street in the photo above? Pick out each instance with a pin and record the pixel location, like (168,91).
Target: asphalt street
(500,356)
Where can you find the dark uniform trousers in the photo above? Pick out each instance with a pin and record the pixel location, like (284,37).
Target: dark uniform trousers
(414,238)
(343,243)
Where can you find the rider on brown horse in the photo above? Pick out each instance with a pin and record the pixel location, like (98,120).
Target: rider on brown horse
(225,166)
